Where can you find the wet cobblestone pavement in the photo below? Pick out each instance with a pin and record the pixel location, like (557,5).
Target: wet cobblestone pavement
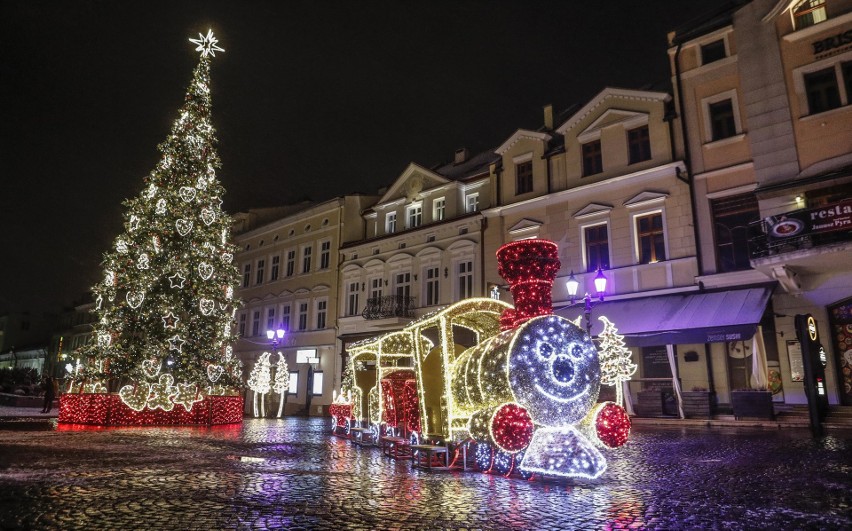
(292,474)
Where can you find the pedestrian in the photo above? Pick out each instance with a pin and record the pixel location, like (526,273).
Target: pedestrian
(49,394)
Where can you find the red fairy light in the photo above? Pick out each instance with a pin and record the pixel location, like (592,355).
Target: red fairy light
(529,266)
(612,425)
(512,427)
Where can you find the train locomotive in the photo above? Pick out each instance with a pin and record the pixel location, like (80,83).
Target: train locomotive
(519,384)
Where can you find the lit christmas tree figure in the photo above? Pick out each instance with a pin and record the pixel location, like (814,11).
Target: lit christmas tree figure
(281,384)
(616,366)
(259,382)
(165,304)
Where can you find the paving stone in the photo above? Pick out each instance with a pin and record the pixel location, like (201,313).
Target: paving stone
(291,474)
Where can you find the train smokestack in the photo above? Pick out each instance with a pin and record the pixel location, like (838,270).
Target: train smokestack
(529,266)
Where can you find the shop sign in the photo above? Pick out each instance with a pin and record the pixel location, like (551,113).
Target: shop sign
(830,43)
(827,218)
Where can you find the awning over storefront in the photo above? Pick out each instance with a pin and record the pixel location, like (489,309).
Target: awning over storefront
(705,317)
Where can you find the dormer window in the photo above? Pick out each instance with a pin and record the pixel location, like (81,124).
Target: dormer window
(713,51)
(524,178)
(808,13)
(414,216)
(592,158)
(390,222)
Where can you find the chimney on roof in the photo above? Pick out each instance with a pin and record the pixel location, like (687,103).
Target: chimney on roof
(462,155)
(548,116)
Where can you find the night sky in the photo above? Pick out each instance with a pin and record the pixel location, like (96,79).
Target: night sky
(311,99)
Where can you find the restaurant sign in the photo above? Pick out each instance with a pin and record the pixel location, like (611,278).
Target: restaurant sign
(826,218)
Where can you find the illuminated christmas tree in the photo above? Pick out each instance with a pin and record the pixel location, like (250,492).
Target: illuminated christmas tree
(165,304)
(281,384)
(616,366)
(259,381)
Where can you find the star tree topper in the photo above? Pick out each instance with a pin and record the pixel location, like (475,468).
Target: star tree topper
(207,44)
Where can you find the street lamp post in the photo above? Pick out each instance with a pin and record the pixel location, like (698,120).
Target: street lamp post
(600,287)
(275,336)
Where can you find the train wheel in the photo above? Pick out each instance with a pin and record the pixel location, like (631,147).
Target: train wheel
(503,462)
(519,458)
(484,456)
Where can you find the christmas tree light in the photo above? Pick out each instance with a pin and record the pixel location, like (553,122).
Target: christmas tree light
(616,365)
(163,305)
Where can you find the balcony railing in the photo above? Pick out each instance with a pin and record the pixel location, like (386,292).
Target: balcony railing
(389,306)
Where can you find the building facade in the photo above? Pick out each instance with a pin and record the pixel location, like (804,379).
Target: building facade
(763,89)
(423,247)
(289,261)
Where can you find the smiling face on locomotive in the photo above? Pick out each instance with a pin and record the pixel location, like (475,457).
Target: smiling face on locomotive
(554,370)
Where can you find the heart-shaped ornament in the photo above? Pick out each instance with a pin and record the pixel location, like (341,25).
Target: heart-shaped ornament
(208,216)
(135,298)
(205,270)
(207,306)
(214,372)
(151,368)
(183,226)
(186,193)
(135,397)
(227,258)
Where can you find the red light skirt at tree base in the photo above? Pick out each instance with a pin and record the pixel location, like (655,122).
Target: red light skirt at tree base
(103,409)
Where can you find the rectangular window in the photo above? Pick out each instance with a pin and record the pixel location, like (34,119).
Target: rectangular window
(246,275)
(376,288)
(293,388)
(414,215)
(322,312)
(352,299)
(303,316)
(390,222)
(273,274)
(597,247)
(255,323)
(317,384)
(592,158)
(733,219)
(291,262)
(325,254)
(285,317)
(465,279)
(270,319)
(822,90)
(439,209)
(261,264)
(722,123)
(306,259)
(432,286)
(846,68)
(651,238)
(243,324)
(403,285)
(523,177)
(472,202)
(713,51)
(639,144)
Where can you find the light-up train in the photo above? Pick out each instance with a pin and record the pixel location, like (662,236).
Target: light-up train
(519,382)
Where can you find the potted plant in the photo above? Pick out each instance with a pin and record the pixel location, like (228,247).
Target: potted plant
(754,403)
(697,403)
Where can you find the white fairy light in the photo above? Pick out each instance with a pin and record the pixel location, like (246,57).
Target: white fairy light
(177,280)
(207,44)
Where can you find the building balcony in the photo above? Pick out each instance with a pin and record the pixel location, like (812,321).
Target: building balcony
(389,306)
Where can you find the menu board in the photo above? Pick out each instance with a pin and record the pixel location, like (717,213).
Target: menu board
(797,365)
